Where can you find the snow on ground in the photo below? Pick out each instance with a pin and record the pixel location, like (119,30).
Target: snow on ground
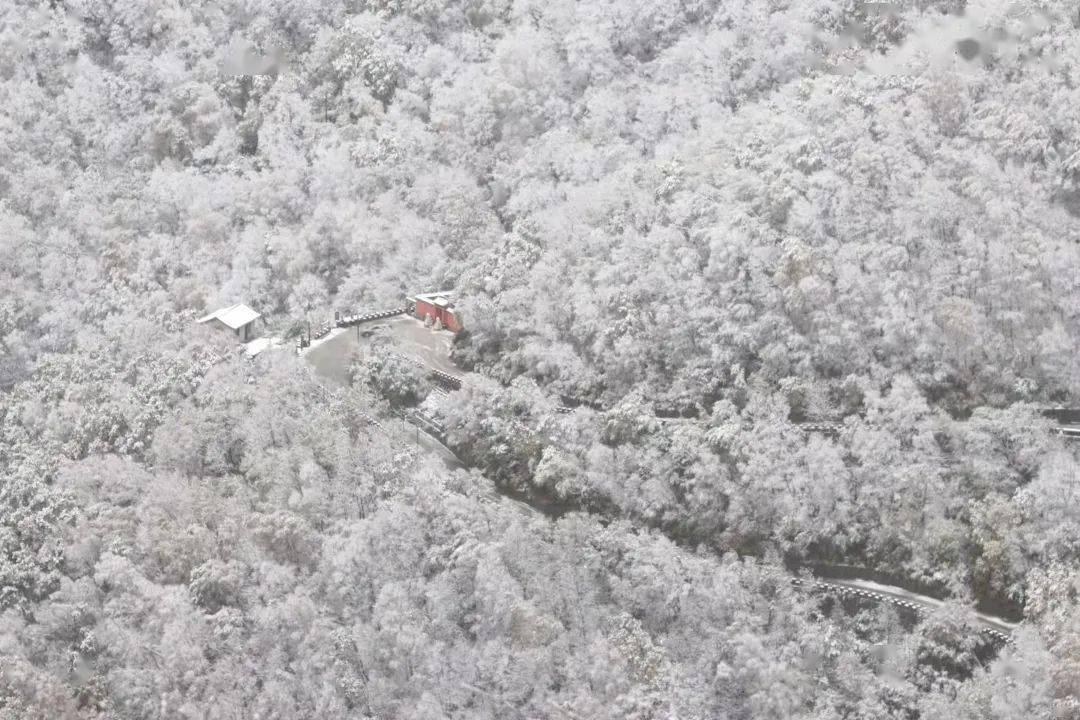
(336,332)
(332,354)
(256,346)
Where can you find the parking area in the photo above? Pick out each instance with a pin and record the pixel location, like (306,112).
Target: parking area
(407,335)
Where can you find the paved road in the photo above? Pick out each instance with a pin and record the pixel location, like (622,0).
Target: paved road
(430,346)
(331,358)
(912,601)
(860,588)
(1071,432)
(433,446)
(332,355)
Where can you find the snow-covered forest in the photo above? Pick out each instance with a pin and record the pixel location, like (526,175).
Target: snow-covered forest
(696,224)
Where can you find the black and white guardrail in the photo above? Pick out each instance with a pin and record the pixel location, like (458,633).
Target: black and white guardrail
(342,321)
(846,591)
(351,320)
(446,379)
(1069,432)
(426,423)
(829,428)
(322,330)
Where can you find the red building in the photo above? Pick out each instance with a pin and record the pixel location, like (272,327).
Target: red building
(437,306)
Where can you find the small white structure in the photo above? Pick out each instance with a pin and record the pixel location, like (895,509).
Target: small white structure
(238,318)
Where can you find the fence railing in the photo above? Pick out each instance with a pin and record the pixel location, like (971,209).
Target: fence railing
(321,330)
(426,423)
(351,320)
(845,591)
(446,379)
(342,321)
(829,428)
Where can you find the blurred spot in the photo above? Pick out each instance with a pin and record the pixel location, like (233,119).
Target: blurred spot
(241,58)
(969,41)
(812,659)
(968,48)
(853,29)
(1009,668)
(888,9)
(1070,200)
(886,660)
(1037,21)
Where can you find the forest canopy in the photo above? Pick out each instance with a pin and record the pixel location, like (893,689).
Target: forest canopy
(696,224)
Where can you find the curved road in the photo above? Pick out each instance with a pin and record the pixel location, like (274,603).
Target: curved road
(996,627)
(330,359)
(992,625)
